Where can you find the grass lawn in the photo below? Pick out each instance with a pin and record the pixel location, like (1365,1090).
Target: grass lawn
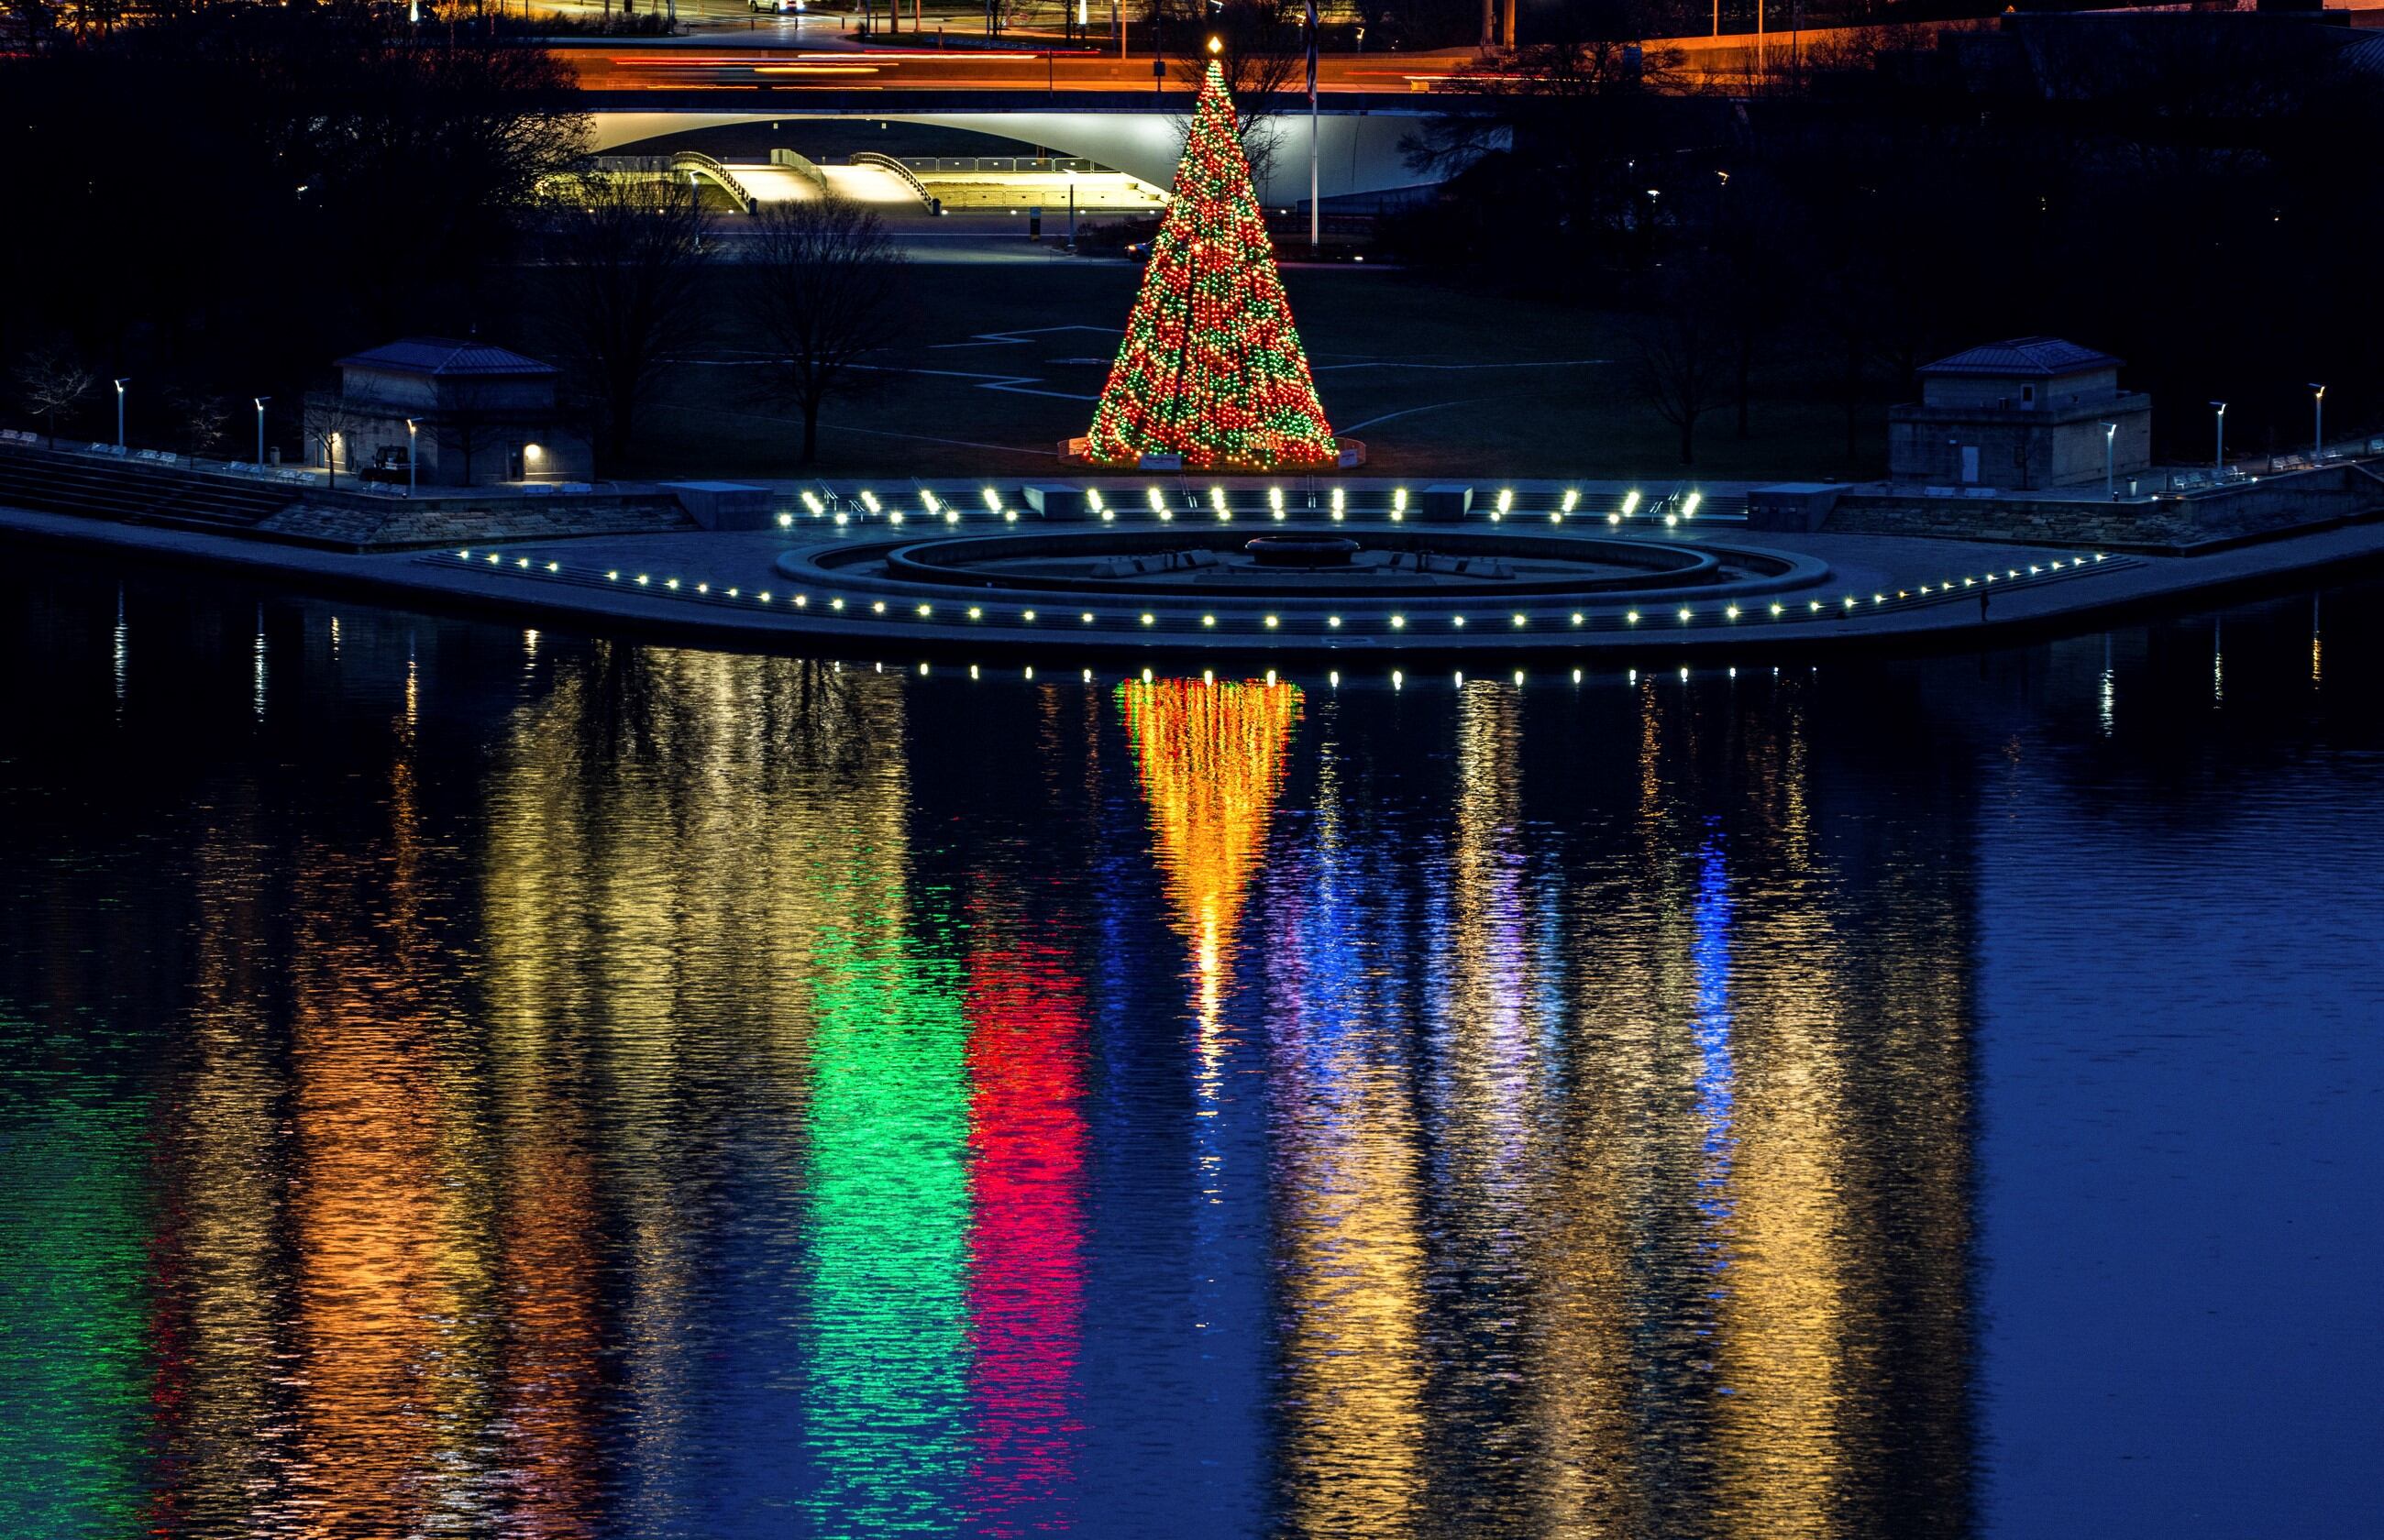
(1006,359)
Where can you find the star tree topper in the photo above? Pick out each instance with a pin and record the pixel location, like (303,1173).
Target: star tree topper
(1211,368)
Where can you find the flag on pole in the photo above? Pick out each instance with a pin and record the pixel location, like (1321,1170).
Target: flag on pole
(1311,51)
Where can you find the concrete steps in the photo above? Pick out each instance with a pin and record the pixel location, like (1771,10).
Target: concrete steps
(130,491)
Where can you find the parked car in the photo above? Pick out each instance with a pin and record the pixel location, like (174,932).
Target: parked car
(776,8)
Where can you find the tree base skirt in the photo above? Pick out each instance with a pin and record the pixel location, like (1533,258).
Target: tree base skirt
(1349,454)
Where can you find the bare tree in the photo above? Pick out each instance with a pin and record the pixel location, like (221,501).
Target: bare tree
(628,258)
(1262,52)
(829,282)
(1572,129)
(52,381)
(1683,348)
(465,417)
(205,417)
(1745,262)
(330,421)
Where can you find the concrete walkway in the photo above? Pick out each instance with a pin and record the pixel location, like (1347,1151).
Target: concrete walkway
(524,586)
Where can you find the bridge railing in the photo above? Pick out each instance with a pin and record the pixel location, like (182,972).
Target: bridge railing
(801,165)
(1041,166)
(703,164)
(685,162)
(887,163)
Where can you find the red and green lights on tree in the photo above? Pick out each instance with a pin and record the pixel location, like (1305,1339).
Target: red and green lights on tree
(1211,368)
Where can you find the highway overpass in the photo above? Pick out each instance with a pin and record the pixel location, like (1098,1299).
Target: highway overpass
(1069,104)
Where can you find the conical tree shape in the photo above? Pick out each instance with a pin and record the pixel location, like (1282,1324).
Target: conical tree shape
(1211,368)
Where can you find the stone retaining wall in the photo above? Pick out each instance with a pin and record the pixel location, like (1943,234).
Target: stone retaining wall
(383,524)
(2230,515)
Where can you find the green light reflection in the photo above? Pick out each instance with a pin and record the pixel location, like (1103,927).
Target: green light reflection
(74,1360)
(887,1368)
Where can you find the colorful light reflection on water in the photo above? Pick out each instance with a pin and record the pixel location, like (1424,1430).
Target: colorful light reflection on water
(449,1085)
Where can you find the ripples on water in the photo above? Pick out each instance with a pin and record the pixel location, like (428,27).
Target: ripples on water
(463,1081)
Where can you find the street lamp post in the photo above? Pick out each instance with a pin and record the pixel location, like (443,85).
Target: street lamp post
(119,412)
(1316,129)
(411,427)
(2110,442)
(2317,440)
(260,426)
(2219,457)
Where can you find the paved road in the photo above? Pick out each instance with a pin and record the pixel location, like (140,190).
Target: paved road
(822,63)
(726,45)
(733,25)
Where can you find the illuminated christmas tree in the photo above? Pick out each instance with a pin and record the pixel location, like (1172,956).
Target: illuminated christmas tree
(1211,368)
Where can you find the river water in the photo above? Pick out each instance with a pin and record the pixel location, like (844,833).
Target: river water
(458,1080)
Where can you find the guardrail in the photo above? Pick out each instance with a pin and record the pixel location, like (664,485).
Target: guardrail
(671,166)
(2241,472)
(164,459)
(1045,166)
(801,165)
(887,163)
(691,160)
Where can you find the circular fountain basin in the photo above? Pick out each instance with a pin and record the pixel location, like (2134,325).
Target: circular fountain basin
(1301,550)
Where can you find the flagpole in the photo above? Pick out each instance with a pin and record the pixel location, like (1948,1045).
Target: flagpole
(1315,207)
(1315,127)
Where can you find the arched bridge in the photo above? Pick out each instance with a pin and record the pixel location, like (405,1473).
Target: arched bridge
(686,165)
(1358,135)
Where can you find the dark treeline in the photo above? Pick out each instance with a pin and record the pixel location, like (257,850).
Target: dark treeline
(2198,193)
(217,202)
(1409,24)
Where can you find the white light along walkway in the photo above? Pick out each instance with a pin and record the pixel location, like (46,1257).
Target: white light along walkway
(705,566)
(1477,619)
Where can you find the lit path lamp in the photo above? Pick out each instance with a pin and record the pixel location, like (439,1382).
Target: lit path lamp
(413,433)
(260,426)
(119,412)
(2317,434)
(2219,457)
(2110,441)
